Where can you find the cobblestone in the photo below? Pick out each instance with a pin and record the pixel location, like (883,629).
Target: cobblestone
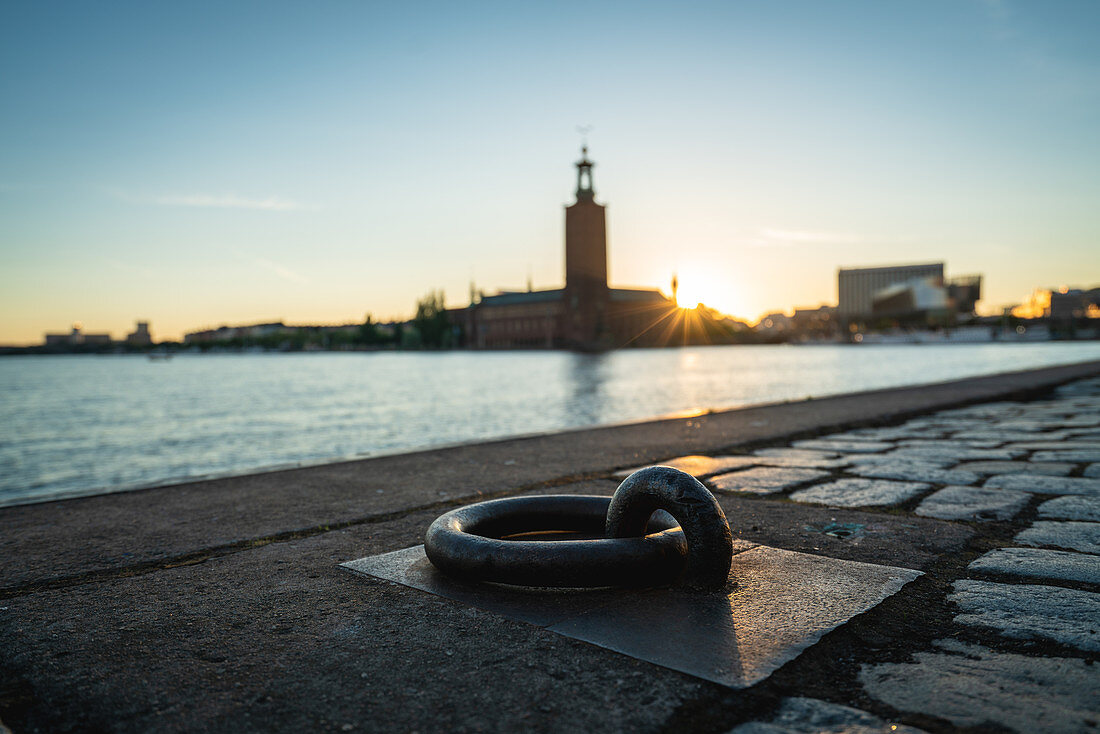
(1076,455)
(860,493)
(971,685)
(1027,611)
(1053,469)
(1078,536)
(921,461)
(844,446)
(1040,563)
(1040,484)
(800,457)
(765,479)
(972,503)
(1071,507)
(1093,470)
(959,453)
(1056,444)
(813,716)
(948,443)
(888,434)
(916,472)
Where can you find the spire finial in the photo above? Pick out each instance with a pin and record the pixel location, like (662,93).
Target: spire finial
(585,192)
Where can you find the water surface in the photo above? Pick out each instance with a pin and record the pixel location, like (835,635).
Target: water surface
(87,424)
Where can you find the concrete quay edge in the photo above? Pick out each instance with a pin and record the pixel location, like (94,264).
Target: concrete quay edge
(75,541)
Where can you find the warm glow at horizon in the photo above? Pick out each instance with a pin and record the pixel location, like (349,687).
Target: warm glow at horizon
(697,285)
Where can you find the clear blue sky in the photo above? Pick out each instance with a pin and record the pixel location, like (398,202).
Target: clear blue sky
(203,163)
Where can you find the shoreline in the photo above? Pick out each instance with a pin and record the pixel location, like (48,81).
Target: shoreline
(304,464)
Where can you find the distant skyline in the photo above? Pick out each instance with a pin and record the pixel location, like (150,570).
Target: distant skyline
(194,164)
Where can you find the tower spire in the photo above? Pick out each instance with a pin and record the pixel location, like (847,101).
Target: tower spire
(585,192)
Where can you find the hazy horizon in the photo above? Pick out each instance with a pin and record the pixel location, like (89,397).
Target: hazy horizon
(203,164)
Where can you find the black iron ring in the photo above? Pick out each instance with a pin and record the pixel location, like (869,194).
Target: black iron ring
(710,543)
(471,542)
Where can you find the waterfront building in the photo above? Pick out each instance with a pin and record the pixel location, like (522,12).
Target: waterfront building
(227,333)
(586,314)
(77,338)
(140,336)
(1060,305)
(905,292)
(857,287)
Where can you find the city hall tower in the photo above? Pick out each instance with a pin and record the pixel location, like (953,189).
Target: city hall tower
(586,293)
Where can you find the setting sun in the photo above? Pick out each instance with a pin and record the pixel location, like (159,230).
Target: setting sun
(695,286)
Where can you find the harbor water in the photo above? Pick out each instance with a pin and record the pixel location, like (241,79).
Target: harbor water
(72,425)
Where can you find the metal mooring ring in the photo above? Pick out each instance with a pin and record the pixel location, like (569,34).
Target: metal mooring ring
(710,543)
(472,543)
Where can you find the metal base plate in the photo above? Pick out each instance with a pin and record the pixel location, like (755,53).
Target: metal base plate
(783,602)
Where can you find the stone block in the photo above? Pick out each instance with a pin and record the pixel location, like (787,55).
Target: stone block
(973,686)
(1093,470)
(948,443)
(1071,507)
(1078,536)
(959,453)
(843,446)
(800,457)
(1040,564)
(973,503)
(1057,445)
(860,493)
(1048,468)
(814,716)
(1074,455)
(1031,611)
(1039,484)
(915,471)
(898,458)
(765,479)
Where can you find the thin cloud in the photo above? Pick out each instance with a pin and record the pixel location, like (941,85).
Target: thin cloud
(230,201)
(281,270)
(793,236)
(212,201)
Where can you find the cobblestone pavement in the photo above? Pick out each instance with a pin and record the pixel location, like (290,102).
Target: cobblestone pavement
(1021,618)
